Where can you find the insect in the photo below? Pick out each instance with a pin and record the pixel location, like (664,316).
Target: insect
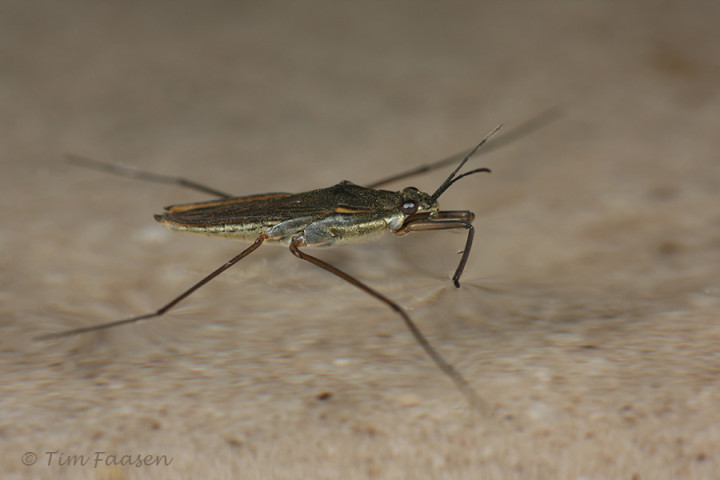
(335,215)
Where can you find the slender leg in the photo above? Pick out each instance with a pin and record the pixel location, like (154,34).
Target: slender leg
(465,215)
(165,308)
(455,219)
(139,174)
(473,398)
(523,130)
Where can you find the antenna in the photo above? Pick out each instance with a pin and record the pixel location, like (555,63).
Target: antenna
(451,179)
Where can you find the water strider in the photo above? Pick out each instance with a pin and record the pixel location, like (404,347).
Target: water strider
(335,215)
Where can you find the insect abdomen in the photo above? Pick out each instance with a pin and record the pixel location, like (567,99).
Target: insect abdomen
(248,230)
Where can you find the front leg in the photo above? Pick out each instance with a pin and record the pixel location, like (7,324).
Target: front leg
(446,220)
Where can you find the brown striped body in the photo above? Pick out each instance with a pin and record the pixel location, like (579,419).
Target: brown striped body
(343,213)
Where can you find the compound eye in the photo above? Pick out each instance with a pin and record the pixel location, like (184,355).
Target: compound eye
(409,207)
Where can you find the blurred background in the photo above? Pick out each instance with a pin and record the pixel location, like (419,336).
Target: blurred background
(588,314)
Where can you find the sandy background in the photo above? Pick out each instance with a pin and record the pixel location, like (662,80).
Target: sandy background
(589,314)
